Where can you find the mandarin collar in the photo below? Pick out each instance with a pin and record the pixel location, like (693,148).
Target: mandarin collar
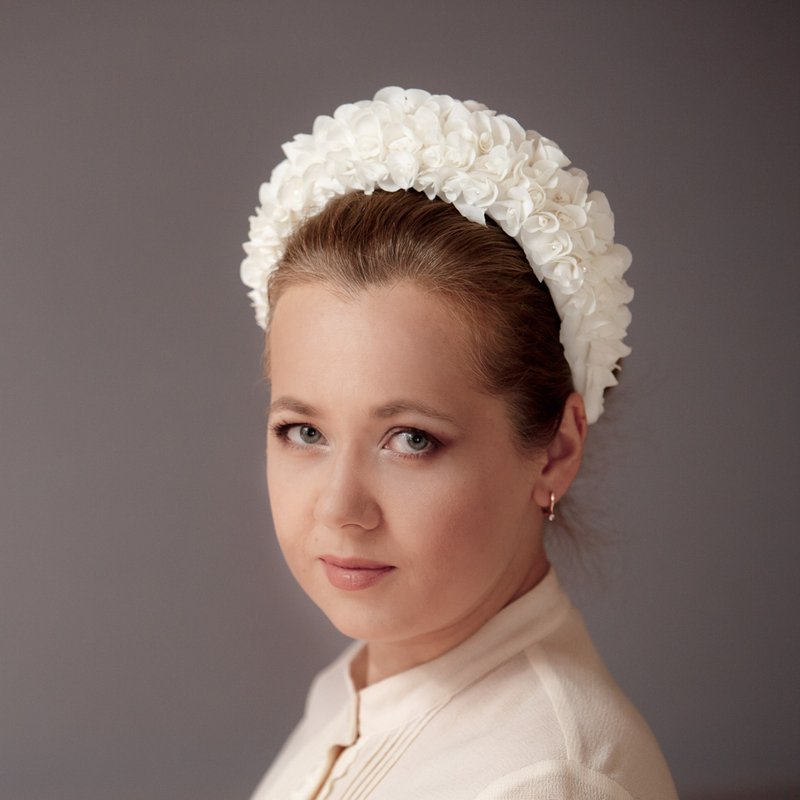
(397,700)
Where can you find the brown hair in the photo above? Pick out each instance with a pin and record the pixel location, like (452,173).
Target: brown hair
(358,241)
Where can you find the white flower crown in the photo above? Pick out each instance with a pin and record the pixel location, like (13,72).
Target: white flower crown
(485,164)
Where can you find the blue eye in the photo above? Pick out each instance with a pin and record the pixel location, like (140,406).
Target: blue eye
(416,440)
(308,434)
(297,434)
(413,442)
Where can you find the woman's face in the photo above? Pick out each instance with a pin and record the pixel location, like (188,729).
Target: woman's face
(401,504)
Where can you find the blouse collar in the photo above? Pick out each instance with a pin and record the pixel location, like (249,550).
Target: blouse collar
(399,699)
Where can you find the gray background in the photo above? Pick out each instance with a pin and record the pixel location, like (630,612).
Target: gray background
(153,645)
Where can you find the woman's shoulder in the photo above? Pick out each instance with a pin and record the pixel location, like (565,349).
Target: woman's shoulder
(570,779)
(560,704)
(535,712)
(582,692)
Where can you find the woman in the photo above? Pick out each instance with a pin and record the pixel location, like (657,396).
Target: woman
(444,307)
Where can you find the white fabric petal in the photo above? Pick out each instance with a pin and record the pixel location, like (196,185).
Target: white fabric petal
(485,164)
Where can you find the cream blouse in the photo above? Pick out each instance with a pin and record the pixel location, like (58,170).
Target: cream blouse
(523,709)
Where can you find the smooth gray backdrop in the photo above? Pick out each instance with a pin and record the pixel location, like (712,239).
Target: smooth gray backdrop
(153,645)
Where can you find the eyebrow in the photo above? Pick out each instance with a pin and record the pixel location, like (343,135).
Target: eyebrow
(399,406)
(392,409)
(292,404)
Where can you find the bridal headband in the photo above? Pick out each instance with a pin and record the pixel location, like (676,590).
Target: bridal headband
(486,165)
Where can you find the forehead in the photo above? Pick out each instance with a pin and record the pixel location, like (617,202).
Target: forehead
(379,341)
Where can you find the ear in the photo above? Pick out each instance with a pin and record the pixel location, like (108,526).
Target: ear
(564,453)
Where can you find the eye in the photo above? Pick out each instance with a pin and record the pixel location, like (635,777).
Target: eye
(303,434)
(299,435)
(412,442)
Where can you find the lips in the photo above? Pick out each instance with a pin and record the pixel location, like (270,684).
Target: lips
(353,574)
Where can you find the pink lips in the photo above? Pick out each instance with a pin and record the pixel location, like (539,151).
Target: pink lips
(351,574)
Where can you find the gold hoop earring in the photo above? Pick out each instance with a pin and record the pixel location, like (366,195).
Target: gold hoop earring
(551,511)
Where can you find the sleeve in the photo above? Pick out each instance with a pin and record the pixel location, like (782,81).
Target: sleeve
(555,780)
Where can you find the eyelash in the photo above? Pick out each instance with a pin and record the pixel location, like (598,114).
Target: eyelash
(280,430)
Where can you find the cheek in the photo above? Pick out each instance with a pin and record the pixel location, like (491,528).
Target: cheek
(288,502)
(448,516)
(464,514)
(460,534)
(291,528)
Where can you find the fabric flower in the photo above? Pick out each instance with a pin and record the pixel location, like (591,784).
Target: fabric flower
(485,164)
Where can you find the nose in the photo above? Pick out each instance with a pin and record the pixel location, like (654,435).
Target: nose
(345,498)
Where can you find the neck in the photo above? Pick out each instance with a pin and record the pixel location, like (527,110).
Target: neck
(380,660)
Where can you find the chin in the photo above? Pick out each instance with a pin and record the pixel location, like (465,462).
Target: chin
(362,620)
